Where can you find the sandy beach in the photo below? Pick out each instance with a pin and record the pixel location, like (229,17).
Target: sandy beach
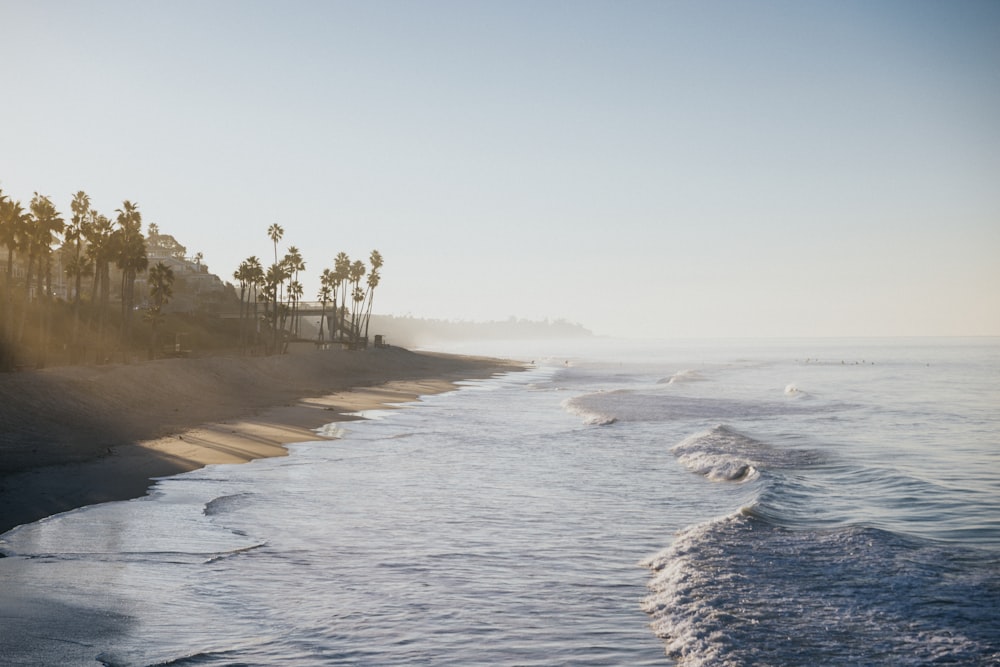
(76,436)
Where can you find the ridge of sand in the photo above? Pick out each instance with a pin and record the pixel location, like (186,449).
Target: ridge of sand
(76,436)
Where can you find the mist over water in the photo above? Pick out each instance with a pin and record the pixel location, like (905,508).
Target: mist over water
(613,505)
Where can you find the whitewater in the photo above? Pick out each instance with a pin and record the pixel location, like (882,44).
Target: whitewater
(691,503)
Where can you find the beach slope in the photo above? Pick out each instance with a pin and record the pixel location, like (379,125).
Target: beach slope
(76,436)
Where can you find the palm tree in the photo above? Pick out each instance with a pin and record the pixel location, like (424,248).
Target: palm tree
(161,290)
(255,280)
(295,292)
(357,272)
(373,279)
(294,263)
(29,244)
(13,230)
(78,265)
(13,227)
(101,242)
(342,273)
(274,277)
(275,232)
(326,281)
(132,260)
(46,222)
(242,275)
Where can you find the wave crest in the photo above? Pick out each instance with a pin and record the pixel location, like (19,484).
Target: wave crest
(724,454)
(723,585)
(681,377)
(590,415)
(721,455)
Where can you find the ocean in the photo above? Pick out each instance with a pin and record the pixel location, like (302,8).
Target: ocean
(825,502)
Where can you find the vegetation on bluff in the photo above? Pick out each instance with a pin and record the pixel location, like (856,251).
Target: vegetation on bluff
(271,299)
(58,305)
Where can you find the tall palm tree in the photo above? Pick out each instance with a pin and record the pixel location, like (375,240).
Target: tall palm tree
(294,263)
(78,265)
(242,276)
(14,223)
(373,279)
(274,277)
(295,292)
(357,272)
(6,354)
(132,260)
(29,244)
(326,281)
(161,290)
(275,232)
(342,273)
(255,280)
(13,229)
(101,242)
(46,223)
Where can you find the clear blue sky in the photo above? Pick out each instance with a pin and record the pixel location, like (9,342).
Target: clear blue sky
(663,169)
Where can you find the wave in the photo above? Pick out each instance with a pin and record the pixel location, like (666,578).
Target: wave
(332,431)
(724,454)
(739,590)
(681,377)
(591,416)
(631,405)
(225,503)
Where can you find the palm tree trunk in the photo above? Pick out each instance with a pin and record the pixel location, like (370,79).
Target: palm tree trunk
(128,278)
(368,313)
(27,297)
(44,312)
(241,337)
(76,309)
(102,313)
(7,344)
(256,321)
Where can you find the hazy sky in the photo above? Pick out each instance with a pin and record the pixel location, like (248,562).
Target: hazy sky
(664,169)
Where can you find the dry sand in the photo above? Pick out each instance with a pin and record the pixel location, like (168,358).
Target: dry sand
(75,436)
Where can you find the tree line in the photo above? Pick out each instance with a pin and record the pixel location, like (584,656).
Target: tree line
(278,290)
(97,253)
(89,243)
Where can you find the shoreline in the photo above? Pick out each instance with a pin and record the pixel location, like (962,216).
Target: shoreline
(124,426)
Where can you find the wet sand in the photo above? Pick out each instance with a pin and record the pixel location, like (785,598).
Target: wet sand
(76,436)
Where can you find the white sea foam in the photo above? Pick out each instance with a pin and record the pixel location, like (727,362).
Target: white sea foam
(682,376)
(591,416)
(721,454)
(724,587)
(332,431)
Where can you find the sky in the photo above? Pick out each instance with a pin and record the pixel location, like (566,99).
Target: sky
(646,169)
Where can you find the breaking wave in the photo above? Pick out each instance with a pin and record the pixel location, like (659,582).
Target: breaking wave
(723,454)
(682,376)
(740,591)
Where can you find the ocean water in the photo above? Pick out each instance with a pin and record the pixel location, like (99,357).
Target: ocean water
(715,503)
